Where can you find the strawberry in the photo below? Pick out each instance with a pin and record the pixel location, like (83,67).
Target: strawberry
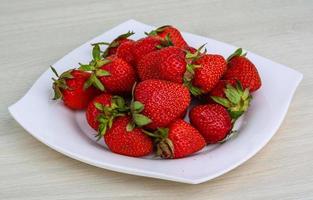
(166,64)
(242,69)
(173,33)
(102,111)
(145,46)
(208,71)
(212,121)
(125,52)
(111,74)
(133,143)
(147,66)
(179,140)
(70,88)
(112,47)
(157,103)
(172,64)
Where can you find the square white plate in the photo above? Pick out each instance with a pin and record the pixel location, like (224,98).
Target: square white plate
(65,131)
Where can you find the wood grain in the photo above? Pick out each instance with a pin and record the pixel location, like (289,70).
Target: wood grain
(35,34)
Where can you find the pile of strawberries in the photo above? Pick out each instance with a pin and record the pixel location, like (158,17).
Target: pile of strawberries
(136,93)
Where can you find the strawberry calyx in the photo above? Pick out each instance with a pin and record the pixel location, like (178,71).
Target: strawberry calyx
(138,119)
(158,30)
(165,42)
(59,84)
(237,100)
(190,70)
(114,43)
(94,67)
(117,108)
(238,52)
(164,145)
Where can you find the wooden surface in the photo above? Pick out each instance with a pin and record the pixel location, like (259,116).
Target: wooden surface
(35,34)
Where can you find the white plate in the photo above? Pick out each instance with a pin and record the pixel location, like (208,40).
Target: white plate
(63,130)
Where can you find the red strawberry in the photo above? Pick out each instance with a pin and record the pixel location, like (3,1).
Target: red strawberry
(166,64)
(212,121)
(130,143)
(125,51)
(158,103)
(209,71)
(145,46)
(147,66)
(70,88)
(122,76)
(173,33)
(179,140)
(242,69)
(172,64)
(102,111)
(112,74)
(112,47)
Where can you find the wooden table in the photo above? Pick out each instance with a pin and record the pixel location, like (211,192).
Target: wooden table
(35,34)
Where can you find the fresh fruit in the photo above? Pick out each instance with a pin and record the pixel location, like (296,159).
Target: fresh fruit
(133,143)
(70,88)
(242,69)
(111,74)
(210,69)
(166,64)
(162,102)
(145,46)
(179,140)
(112,47)
(102,111)
(212,121)
(172,64)
(125,52)
(173,33)
(147,67)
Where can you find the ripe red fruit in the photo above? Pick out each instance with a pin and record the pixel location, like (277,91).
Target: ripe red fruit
(161,101)
(70,88)
(211,69)
(125,52)
(212,121)
(130,143)
(113,46)
(121,76)
(172,64)
(242,69)
(102,111)
(145,46)
(173,33)
(147,66)
(179,140)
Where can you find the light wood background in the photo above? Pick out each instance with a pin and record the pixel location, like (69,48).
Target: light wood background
(35,34)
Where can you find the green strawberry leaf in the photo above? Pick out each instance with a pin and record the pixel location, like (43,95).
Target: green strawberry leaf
(101,72)
(99,106)
(141,120)
(137,106)
(130,126)
(54,71)
(96,52)
(223,101)
(97,83)
(238,52)
(88,83)
(84,67)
